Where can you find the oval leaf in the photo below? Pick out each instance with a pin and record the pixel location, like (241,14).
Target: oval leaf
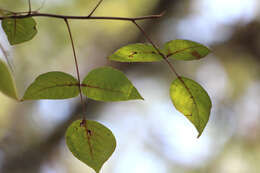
(90,142)
(136,53)
(108,84)
(7,84)
(52,85)
(185,50)
(19,30)
(192,101)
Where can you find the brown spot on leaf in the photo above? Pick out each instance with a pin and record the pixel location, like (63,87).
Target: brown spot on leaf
(132,55)
(90,132)
(83,123)
(196,54)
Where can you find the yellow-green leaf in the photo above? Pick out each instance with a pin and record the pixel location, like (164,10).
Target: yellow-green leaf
(185,50)
(53,85)
(109,84)
(7,84)
(90,142)
(136,53)
(19,30)
(192,101)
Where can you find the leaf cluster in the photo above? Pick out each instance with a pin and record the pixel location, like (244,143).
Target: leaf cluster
(90,141)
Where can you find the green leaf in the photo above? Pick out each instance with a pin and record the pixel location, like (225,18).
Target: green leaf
(7,84)
(108,84)
(53,85)
(19,30)
(192,101)
(90,142)
(136,53)
(185,50)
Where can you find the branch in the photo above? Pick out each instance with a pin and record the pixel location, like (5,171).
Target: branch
(36,14)
(95,8)
(30,7)
(76,64)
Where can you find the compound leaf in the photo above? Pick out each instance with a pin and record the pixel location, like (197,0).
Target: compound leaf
(109,84)
(90,142)
(53,85)
(185,50)
(7,84)
(192,101)
(136,53)
(19,30)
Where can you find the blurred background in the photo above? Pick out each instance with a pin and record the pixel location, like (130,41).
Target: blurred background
(152,137)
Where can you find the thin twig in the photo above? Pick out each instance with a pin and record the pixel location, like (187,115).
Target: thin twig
(84,121)
(30,7)
(36,14)
(77,68)
(95,8)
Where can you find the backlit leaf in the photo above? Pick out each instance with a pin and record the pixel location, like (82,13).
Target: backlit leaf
(90,142)
(108,84)
(52,85)
(192,101)
(7,84)
(19,30)
(136,53)
(185,50)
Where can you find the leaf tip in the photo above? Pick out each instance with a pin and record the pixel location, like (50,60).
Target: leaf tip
(135,95)
(200,133)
